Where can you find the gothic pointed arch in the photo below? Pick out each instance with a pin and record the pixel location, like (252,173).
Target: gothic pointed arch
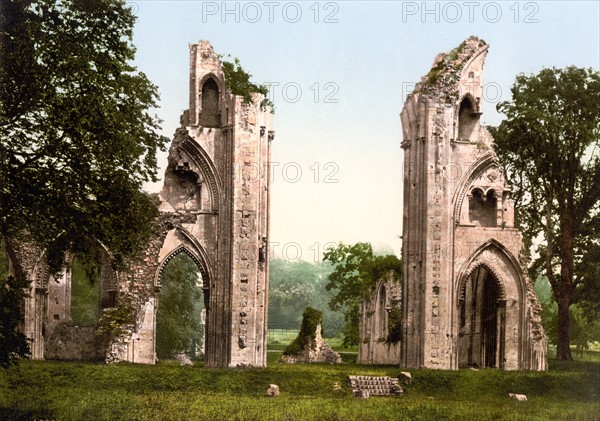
(210,95)
(182,241)
(202,160)
(468,117)
(192,182)
(496,258)
(480,166)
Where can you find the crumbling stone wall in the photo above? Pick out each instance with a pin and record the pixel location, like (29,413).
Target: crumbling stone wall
(458,231)
(214,206)
(309,346)
(47,309)
(378,312)
(67,341)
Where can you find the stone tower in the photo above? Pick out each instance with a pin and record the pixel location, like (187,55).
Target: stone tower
(466,299)
(216,193)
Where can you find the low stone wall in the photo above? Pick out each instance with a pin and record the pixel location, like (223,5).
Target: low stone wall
(70,342)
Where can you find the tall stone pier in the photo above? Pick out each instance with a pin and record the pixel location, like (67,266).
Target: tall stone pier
(214,207)
(467,301)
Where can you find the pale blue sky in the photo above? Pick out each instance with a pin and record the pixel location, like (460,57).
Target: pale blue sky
(353,73)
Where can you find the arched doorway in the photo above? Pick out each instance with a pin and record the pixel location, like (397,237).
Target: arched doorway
(180,316)
(482,321)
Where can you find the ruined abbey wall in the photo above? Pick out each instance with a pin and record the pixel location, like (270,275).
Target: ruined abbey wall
(376,318)
(214,207)
(467,300)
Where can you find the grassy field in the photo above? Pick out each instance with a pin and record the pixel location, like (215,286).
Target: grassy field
(75,391)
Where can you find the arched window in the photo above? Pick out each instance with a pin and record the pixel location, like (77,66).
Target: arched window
(209,114)
(482,208)
(467,119)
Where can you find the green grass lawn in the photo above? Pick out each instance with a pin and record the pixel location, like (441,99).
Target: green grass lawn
(77,391)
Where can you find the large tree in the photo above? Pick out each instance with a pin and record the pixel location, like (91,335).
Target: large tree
(77,139)
(356,272)
(549,144)
(293,286)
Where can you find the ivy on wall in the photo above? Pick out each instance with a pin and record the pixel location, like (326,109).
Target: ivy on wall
(237,80)
(311,318)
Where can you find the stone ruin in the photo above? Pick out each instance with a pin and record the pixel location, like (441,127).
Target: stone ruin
(366,386)
(466,298)
(314,352)
(376,314)
(309,346)
(214,207)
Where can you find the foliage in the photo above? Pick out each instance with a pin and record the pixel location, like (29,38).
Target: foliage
(58,390)
(549,145)
(446,69)
(76,138)
(587,269)
(293,286)
(117,321)
(178,317)
(238,81)
(584,330)
(356,271)
(85,295)
(13,344)
(394,326)
(311,318)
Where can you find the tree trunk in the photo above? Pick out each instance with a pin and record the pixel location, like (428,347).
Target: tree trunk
(563,350)
(566,288)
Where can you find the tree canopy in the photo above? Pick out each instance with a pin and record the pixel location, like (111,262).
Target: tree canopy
(293,286)
(356,271)
(549,145)
(77,139)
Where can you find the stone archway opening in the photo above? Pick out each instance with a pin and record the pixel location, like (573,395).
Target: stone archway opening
(482,321)
(70,313)
(468,117)
(85,295)
(181,311)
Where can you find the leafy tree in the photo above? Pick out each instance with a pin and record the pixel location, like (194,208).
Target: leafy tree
(76,138)
(293,286)
(549,144)
(583,329)
(178,323)
(356,272)
(587,270)
(13,343)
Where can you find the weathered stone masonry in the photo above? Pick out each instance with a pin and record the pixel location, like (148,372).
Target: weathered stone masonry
(374,322)
(214,206)
(466,299)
